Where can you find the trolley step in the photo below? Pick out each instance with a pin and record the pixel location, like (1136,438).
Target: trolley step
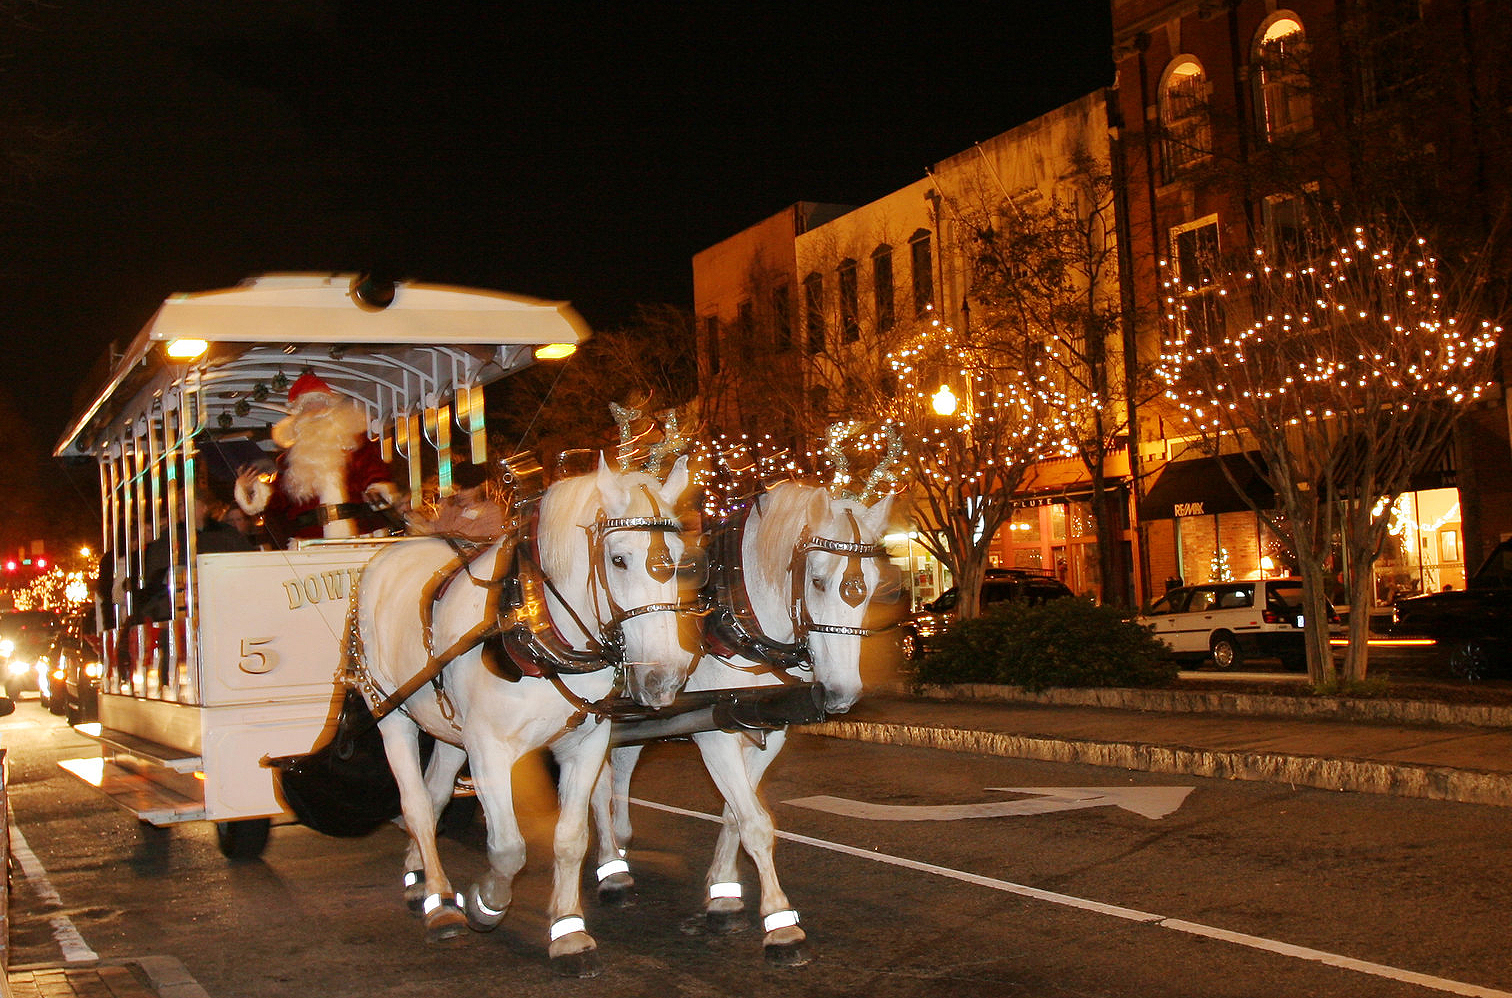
(148,800)
(122,743)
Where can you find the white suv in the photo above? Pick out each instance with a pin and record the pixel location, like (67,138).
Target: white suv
(1231,621)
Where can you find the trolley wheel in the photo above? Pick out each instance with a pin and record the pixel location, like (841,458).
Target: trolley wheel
(242,839)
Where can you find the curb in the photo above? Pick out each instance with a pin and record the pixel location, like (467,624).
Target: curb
(1252,704)
(1360,776)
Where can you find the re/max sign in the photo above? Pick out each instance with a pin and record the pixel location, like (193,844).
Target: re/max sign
(1189,509)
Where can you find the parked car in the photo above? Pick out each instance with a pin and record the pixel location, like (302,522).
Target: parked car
(1229,622)
(24,635)
(69,672)
(1473,626)
(1001,584)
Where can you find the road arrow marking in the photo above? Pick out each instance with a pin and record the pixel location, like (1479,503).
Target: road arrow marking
(1150,802)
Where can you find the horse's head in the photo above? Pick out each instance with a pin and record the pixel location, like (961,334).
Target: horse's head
(818,581)
(641,552)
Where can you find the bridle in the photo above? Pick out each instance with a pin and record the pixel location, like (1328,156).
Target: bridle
(528,632)
(732,627)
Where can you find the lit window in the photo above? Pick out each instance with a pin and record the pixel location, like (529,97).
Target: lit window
(1187,135)
(1282,101)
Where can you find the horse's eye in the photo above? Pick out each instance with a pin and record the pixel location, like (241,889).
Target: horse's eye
(818,582)
(618,561)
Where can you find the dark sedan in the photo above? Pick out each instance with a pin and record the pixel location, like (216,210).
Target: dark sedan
(1472,625)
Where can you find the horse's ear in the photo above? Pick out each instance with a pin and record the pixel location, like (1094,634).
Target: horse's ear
(818,508)
(611,485)
(677,481)
(877,517)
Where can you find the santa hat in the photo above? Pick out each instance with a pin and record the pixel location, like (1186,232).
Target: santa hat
(309,382)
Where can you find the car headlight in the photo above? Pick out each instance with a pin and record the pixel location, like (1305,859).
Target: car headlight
(7,646)
(94,670)
(17,667)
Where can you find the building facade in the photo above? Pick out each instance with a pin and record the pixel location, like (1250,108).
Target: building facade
(1233,114)
(1226,118)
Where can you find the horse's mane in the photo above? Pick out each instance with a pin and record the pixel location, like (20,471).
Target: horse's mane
(567,506)
(784,512)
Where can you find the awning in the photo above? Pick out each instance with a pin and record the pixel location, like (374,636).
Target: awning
(1199,488)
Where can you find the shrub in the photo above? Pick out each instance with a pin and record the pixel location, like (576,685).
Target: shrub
(1064,642)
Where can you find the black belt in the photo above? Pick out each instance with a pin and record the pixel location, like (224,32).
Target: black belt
(329,513)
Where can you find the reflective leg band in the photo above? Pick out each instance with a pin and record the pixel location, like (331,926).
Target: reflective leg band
(779,920)
(612,867)
(483,907)
(728,889)
(434,901)
(412,878)
(567,925)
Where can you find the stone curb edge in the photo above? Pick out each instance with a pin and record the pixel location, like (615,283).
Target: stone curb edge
(1360,776)
(1256,704)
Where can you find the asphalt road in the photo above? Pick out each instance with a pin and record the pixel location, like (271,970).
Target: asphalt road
(1136,887)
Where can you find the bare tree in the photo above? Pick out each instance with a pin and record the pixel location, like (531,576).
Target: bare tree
(647,363)
(973,423)
(1044,280)
(1345,369)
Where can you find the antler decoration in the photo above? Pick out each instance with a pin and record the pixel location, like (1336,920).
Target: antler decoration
(628,438)
(671,444)
(834,437)
(883,472)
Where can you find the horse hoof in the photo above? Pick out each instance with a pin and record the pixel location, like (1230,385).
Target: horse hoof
(795,954)
(582,964)
(480,917)
(443,919)
(723,923)
(617,891)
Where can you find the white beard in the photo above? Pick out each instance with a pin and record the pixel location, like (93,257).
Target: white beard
(319,441)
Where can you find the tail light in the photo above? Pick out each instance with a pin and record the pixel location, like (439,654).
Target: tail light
(1271,617)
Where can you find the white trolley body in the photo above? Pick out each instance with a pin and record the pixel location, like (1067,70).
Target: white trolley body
(244,667)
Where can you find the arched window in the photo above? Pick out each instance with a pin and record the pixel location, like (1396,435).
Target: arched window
(1282,101)
(1184,115)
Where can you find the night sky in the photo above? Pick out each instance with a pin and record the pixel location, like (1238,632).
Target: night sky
(574,152)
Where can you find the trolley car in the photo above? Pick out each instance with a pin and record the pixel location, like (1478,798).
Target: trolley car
(241,666)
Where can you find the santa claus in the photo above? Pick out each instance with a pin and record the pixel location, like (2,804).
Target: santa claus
(327,472)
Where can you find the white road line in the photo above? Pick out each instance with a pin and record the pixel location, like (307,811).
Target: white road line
(75,950)
(1131,914)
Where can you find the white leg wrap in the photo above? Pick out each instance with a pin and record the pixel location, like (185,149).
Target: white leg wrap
(612,867)
(727,889)
(483,908)
(434,901)
(779,920)
(566,926)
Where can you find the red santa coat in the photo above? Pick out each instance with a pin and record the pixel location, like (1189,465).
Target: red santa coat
(286,517)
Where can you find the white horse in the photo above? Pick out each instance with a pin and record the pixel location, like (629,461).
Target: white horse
(607,587)
(810,566)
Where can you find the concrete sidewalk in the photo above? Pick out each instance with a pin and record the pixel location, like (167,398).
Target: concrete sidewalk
(1410,748)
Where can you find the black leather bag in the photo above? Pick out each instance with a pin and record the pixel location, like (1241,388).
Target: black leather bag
(344,788)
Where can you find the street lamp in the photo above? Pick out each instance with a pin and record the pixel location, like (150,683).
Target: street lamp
(944,401)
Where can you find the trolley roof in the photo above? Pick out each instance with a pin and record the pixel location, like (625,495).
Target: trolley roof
(405,357)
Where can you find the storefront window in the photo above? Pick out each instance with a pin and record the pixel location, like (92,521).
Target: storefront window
(1422,551)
